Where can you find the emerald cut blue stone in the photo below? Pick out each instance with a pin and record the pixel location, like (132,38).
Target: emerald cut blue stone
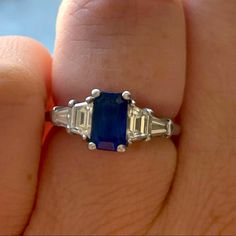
(109,121)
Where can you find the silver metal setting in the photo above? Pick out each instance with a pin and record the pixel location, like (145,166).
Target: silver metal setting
(126,95)
(95,93)
(91,146)
(121,148)
(142,124)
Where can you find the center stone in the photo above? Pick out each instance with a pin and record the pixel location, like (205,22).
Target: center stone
(109,121)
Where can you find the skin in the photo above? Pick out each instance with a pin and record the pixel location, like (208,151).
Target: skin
(177,57)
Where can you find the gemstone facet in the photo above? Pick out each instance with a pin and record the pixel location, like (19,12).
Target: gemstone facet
(138,127)
(82,118)
(109,121)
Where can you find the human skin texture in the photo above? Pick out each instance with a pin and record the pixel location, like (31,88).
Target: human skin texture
(176,57)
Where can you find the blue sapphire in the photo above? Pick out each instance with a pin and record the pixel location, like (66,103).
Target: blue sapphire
(109,121)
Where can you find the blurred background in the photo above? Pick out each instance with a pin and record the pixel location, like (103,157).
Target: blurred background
(33,18)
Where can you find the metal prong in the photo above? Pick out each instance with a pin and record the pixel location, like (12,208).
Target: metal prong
(68,130)
(89,99)
(132,102)
(121,148)
(171,128)
(148,138)
(130,141)
(92,146)
(149,111)
(126,95)
(96,93)
(72,103)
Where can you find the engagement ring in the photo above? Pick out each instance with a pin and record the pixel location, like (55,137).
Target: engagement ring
(111,121)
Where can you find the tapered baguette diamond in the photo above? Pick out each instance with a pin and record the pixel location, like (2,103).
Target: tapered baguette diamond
(61,116)
(82,119)
(138,123)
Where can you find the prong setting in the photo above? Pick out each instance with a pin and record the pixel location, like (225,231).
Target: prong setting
(96,93)
(148,138)
(130,141)
(68,130)
(121,148)
(132,103)
(89,99)
(126,95)
(149,111)
(92,146)
(72,103)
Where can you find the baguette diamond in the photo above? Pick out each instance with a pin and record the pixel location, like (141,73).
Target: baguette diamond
(81,119)
(138,124)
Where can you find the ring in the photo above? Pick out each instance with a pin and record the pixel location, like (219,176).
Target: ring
(111,121)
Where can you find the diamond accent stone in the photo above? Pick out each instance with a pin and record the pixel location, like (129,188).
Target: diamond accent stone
(82,118)
(138,124)
(61,116)
(161,127)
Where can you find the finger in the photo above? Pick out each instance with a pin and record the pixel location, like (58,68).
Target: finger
(206,179)
(117,45)
(24,69)
(112,45)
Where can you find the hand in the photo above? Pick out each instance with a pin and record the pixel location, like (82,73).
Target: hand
(184,70)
